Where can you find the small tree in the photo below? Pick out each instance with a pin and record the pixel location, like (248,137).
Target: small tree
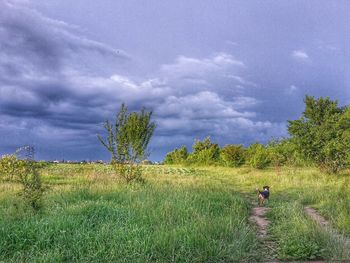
(322,133)
(258,156)
(178,156)
(204,152)
(232,155)
(127,141)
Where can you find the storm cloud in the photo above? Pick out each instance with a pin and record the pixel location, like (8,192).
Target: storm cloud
(237,79)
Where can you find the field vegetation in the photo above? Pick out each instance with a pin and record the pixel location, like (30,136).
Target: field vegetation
(196,207)
(178,214)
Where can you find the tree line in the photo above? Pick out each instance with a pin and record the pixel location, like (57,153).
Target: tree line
(321,137)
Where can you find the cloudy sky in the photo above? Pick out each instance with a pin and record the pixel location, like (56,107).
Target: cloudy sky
(233,70)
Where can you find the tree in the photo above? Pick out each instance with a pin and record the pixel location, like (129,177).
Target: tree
(258,156)
(129,137)
(204,152)
(322,133)
(127,140)
(178,156)
(284,152)
(233,155)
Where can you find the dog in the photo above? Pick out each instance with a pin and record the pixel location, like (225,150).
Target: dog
(263,195)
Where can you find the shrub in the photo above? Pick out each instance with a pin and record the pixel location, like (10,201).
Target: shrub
(285,152)
(32,191)
(128,171)
(178,156)
(204,152)
(24,172)
(10,167)
(232,155)
(258,156)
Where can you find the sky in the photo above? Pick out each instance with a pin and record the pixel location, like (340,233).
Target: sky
(232,70)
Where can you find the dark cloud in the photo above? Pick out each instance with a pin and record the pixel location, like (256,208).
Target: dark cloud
(237,78)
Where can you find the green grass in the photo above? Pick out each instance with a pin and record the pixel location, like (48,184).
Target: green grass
(181,214)
(101,220)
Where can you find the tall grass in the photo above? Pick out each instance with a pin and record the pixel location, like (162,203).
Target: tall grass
(164,220)
(181,214)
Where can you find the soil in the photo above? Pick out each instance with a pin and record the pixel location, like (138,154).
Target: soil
(258,217)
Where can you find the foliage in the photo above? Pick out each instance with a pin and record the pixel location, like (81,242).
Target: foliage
(182,218)
(10,167)
(295,234)
(198,204)
(26,173)
(204,152)
(178,156)
(128,171)
(32,190)
(322,133)
(284,152)
(258,156)
(127,141)
(129,137)
(233,155)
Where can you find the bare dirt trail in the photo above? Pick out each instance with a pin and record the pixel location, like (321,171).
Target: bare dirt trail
(259,219)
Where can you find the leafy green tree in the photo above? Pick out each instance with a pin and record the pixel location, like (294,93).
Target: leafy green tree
(233,155)
(128,138)
(322,133)
(204,152)
(127,141)
(258,156)
(178,156)
(285,152)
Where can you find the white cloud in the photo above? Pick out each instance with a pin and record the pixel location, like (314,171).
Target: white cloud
(300,54)
(187,67)
(203,105)
(291,89)
(242,80)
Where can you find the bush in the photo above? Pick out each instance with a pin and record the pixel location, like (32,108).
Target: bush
(10,167)
(232,155)
(285,152)
(24,172)
(128,171)
(178,156)
(258,156)
(204,152)
(32,191)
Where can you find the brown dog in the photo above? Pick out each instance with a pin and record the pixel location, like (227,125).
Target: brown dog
(263,195)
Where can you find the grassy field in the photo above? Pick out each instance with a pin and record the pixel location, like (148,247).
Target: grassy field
(179,214)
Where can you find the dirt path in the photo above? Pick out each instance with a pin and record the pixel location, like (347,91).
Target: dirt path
(259,219)
(267,245)
(314,215)
(338,237)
